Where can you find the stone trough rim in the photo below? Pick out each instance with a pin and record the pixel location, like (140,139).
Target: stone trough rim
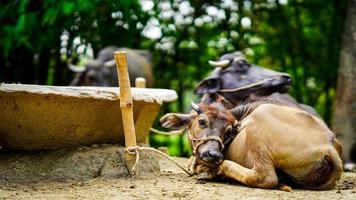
(148,95)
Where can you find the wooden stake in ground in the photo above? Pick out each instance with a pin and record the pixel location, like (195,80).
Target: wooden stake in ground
(126,105)
(140,82)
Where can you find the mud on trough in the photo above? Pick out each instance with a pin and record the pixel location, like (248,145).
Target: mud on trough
(98,172)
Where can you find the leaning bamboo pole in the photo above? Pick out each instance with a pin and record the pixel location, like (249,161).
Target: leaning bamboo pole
(126,105)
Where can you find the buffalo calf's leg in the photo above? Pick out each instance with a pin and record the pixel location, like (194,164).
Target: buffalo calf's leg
(265,178)
(285,188)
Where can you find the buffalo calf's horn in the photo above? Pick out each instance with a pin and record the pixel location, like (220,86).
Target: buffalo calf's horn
(236,123)
(228,129)
(195,107)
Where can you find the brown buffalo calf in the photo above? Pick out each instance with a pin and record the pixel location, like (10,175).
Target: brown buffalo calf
(269,138)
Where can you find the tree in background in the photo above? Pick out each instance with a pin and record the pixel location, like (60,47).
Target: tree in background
(38,37)
(344,119)
(300,37)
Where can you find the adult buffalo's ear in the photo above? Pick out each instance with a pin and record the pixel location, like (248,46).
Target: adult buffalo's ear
(175,120)
(209,85)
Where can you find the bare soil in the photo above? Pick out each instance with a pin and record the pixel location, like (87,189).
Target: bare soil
(171,183)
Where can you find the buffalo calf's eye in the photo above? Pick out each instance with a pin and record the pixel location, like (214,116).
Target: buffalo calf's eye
(202,122)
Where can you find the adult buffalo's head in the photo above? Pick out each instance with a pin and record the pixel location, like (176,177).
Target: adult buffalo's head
(235,78)
(95,73)
(98,72)
(102,70)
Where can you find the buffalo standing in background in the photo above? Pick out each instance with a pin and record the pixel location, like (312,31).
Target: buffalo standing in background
(102,70)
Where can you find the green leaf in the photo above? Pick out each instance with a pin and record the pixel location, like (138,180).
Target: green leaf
(68,8)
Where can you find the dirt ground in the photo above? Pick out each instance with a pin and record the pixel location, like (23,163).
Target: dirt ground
(171,184)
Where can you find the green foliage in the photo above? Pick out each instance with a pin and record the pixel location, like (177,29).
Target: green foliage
(301,37)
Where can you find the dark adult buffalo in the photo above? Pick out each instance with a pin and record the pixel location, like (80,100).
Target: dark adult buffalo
(102,70)
(236,80)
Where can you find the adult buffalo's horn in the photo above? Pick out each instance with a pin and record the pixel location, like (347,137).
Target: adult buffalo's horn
(195,107)
(109,63)
(222,63)
(75,68)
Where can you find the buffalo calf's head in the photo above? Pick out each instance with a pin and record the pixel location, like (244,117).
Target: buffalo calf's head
(210,126)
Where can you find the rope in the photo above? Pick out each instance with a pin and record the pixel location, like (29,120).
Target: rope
(203,140)
(196,146)
(177,132)
(247,86)
(135,151)
(193,164)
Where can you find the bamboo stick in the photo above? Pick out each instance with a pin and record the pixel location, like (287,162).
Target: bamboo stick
(126,104)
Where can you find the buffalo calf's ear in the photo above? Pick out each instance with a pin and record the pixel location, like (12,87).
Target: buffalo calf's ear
(175,120)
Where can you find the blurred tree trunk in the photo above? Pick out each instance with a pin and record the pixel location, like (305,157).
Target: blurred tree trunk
(344,119)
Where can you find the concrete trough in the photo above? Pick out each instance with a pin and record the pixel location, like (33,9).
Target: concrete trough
(36,117)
